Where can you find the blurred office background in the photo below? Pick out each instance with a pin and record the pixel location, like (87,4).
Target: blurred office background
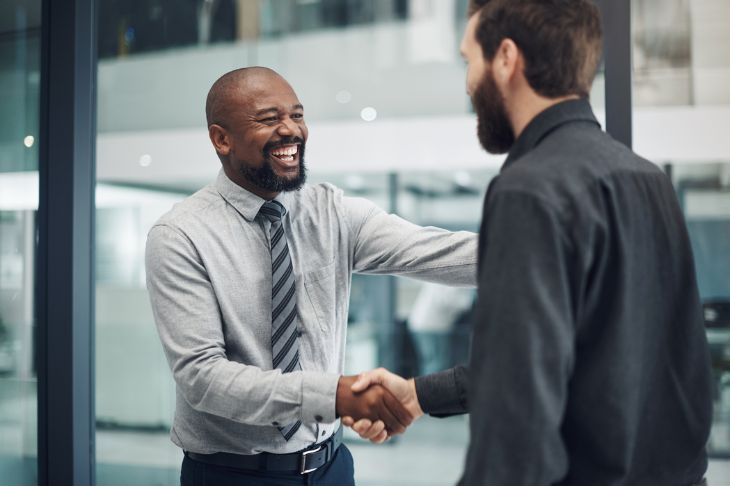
(383,87)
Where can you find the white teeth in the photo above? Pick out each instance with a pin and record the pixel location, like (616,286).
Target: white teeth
(290,150)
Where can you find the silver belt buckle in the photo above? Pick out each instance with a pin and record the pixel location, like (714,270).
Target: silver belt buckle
(303,467)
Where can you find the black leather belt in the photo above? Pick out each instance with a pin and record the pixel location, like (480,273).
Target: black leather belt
(306,461)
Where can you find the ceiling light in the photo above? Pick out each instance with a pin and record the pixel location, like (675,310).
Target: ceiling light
(368,114)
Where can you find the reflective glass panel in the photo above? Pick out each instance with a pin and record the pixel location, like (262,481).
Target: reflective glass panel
(19,101)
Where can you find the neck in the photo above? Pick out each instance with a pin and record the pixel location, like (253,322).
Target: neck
(241,181)
(528,105)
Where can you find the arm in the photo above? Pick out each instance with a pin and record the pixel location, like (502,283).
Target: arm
(444,393)
(191,331)
(387,244)
(522,348)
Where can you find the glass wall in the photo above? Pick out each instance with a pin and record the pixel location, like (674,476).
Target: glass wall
(704,192)
(19,101)
(681,52)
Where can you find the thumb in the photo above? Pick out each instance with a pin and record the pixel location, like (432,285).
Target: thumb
(364,380)
(361,384)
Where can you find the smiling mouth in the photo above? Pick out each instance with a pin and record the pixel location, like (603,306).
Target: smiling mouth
(285,153)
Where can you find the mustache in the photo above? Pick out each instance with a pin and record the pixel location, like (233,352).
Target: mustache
(284,141)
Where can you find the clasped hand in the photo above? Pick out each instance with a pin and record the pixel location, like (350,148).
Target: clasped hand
(377,404)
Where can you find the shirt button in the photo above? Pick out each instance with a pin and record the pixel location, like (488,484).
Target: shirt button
(318,418)
(275,423)
(324,433)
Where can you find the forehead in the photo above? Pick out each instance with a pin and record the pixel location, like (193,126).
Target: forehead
(267,93)
(469,42)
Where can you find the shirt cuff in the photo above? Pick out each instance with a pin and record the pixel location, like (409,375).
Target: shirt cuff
(319,393)
(438,393)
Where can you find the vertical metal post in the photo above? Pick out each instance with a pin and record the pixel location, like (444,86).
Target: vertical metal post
(616,16)
(65,285)
(393,333)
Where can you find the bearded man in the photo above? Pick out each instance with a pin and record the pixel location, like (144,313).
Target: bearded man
(589,361)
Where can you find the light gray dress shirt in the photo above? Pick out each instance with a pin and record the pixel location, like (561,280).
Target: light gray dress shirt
(209,279)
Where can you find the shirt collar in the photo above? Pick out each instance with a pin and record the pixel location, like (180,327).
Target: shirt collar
(547,121)
(245,202)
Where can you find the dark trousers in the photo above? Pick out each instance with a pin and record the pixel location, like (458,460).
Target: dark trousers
(338,472)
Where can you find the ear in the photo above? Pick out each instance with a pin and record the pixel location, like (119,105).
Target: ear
(507,63)
(220,139)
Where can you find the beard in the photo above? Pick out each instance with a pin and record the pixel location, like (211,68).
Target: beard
(493,126)
(264,177)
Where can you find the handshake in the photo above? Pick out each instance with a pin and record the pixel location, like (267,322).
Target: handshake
(377,404)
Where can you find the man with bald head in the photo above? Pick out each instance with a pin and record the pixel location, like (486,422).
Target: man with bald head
(249,280)
(256,130)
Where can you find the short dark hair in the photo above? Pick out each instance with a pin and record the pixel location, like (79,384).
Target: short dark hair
(475,6)
(560,40)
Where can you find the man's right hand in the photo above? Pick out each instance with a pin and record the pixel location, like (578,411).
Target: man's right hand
(374,403)
(404,390)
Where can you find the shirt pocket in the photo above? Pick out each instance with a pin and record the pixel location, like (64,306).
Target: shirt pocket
(320,287)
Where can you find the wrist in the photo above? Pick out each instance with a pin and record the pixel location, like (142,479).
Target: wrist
(342,393)
(414,405)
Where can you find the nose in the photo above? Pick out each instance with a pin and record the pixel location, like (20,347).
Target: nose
(287,127)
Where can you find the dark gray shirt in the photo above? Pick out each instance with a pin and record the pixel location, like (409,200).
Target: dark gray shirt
(444,393)
(209,279)
(589,362)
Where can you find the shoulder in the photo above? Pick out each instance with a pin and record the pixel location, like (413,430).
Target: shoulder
(320,193)
(325,200)
(188,212)
(570,168)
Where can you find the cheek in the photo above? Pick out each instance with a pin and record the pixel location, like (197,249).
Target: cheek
(475,74)
(472,81)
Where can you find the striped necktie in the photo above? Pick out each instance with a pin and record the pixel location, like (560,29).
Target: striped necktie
(284,333)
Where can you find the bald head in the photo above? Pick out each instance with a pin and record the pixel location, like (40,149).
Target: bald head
(234,86)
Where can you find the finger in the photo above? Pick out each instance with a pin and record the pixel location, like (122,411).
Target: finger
(375,430)
(380,438)
(397,409)
(372,377)
(347,421)
(362,426)
(392,424)
(362,383)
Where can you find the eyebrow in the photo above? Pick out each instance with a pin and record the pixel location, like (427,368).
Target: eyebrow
(298,106)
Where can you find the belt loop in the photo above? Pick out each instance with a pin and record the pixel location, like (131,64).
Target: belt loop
(330,447)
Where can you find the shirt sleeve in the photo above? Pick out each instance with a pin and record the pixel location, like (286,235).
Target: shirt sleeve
(522,349)
(189,324)
(387,244)
(444,393)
